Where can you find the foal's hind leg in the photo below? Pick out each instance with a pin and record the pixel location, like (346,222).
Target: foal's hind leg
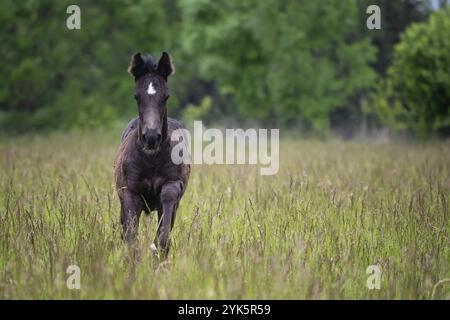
(131,208)
(170,197)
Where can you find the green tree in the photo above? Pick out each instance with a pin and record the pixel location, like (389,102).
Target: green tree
(285,62)
(396,16)
(54,77)
(418,85)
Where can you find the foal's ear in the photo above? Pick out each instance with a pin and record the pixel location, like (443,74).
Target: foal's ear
(137,65)
(165,66)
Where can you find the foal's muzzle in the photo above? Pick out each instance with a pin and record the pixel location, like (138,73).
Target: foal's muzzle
(151,139)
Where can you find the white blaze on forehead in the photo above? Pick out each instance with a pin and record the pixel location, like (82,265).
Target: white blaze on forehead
(151,90)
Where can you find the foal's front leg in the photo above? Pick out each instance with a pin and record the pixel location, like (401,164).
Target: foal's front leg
(131,208)
(170,197)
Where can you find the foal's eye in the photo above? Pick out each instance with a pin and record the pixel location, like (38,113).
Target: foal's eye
(166,98)
(136,96)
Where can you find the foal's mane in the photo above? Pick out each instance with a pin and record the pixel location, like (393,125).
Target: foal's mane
(150,63)
(138,69)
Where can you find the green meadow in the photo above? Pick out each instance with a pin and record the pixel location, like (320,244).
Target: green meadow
(308,232)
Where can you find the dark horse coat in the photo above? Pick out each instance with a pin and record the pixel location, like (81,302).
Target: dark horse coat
(146,177)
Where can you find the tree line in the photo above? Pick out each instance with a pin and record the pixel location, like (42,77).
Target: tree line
(308,65)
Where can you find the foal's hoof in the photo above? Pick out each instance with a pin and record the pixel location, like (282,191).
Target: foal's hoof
(160,252)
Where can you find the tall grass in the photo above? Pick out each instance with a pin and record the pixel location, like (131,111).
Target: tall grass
(311,231)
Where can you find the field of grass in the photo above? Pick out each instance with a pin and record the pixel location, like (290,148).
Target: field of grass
(311,231)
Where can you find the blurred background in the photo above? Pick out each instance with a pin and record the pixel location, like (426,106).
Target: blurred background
(309,66)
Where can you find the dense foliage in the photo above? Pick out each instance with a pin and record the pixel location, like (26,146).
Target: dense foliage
(281,61)
(416,94)
(55,77)
(302,64)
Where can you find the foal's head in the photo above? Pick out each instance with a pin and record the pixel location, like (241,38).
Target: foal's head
(151,94)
